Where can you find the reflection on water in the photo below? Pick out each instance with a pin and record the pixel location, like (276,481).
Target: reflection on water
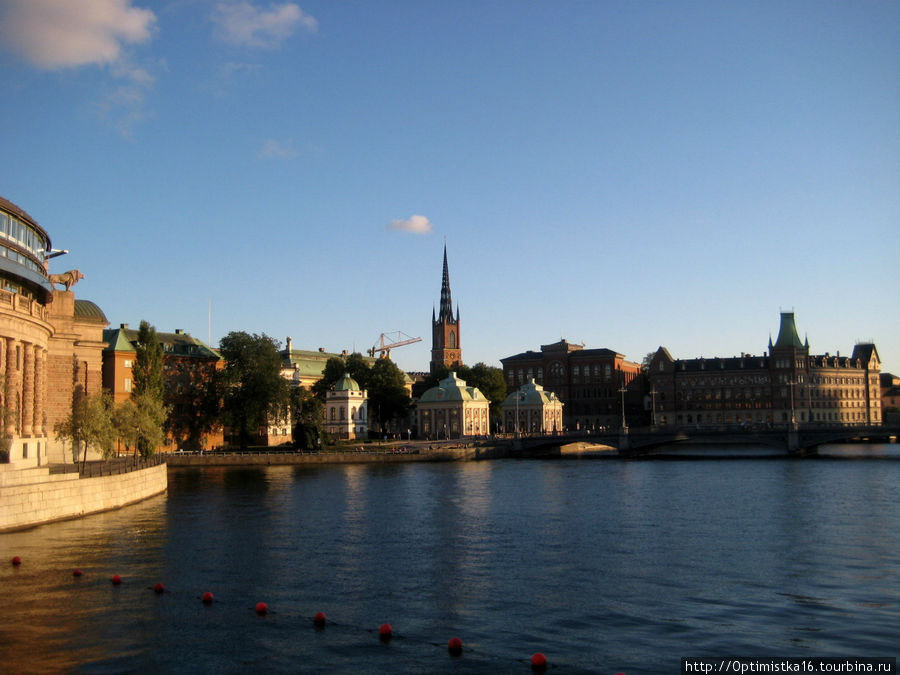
(605,566)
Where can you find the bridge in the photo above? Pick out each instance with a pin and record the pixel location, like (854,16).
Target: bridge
(639,442)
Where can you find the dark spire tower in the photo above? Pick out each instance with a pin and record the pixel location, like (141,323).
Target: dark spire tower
(445,344)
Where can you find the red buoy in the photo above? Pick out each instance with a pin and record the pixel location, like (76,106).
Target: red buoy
(319,619)
(385,632)
(16,560)
(454,646)
(76,573)
(207,598)
(538,662)
(116,579)
(262,608)
(159,588)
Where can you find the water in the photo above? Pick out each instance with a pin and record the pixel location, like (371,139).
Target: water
(605,566)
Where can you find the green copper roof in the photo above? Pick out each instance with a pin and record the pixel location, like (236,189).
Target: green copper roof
(85,309)
(787,333)
(452,388)
(531,394)
(346,383)
(179,343)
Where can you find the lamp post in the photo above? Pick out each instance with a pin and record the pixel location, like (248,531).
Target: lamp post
(791,384)
(624,425)
(518,398)
(653,406)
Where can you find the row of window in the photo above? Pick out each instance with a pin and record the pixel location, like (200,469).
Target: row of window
(13,229)
(595,373)
(15,256)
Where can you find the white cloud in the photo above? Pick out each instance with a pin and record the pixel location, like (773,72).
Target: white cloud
(70,33)
(242,23)
(416,224)
(272,149)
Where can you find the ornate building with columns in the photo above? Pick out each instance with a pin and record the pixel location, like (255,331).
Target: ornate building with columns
(453,410)
(50,343)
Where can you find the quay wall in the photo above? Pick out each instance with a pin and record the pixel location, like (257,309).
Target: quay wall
(31,497)
(375,457)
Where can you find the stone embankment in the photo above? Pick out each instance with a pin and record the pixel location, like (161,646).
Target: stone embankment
(39,495)
(363,454)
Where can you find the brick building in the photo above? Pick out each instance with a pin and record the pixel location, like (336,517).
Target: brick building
(189,368)
(785,384)
(589,382)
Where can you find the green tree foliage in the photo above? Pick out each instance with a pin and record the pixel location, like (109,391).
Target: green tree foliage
(307,413)
(355,365)
(149,390)
(254,390)
(89,424)
(192,399)
(148,366)
(388,399)
(334,370)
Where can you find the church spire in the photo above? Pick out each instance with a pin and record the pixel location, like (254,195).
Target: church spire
(446,301)
(445,341)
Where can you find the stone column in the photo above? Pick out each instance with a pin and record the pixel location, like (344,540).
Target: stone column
(40,383)
(11,387)
(27,388)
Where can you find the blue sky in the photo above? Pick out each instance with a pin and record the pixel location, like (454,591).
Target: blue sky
(622,174)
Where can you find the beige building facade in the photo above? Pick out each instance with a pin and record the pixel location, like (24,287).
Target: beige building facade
(531,410)
(453,410)
(49,342)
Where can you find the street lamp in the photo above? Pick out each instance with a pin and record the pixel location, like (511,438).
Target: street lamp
(653,405)
(622,391)
(791,384)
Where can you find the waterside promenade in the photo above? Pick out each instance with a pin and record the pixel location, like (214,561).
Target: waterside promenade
(632,443)
(45,494)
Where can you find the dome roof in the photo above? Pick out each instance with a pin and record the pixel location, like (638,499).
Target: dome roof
(531,394)
(451,389)
(85,309)
(346,383)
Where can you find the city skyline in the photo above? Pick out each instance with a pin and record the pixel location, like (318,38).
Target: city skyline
(626,176)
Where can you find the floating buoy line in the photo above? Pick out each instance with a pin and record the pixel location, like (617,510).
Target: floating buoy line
(538,661)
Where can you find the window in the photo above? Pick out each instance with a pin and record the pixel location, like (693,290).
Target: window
(128,363)
(127,384)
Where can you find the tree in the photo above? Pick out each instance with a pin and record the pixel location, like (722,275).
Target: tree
(489,380)
(388,399)
(336,367)
(148,366)
(192,400)
(89,423)
(149,390)
(254,390)
(334,370)
(307,412)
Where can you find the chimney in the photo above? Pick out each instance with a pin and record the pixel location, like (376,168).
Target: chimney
(289,344)
(179,331)
(321,350)
(123,326)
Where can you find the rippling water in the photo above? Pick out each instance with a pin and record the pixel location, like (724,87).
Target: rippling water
(605,566)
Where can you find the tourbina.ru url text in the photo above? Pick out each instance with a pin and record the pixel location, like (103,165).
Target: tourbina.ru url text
(741,665)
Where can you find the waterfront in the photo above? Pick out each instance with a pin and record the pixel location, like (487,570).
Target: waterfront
(605,566)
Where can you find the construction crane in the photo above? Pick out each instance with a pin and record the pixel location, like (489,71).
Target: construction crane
(388,341)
